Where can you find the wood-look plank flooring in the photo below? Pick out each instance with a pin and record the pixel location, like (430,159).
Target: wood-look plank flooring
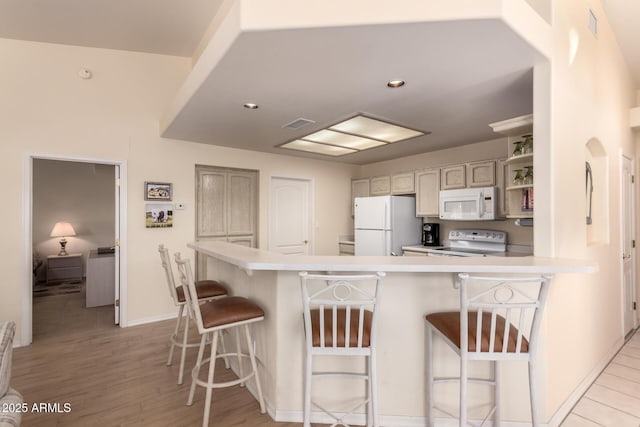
(115,376)
(614,398)
(112,376)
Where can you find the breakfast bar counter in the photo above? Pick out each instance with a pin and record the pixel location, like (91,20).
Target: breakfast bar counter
(413,287)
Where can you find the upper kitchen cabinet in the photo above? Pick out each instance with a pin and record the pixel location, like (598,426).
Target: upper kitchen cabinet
(481,174)
(428,192)
(518,172)
(403,183)
(359,188)
(452,177)
(380,185)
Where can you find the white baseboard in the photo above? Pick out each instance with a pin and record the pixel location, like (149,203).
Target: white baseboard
(570,402)
(153,319)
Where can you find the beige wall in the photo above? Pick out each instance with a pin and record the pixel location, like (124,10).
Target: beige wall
(591,100)
(79,193)
(48,111)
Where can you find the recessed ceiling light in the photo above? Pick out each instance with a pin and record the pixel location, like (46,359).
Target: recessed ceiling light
(396,83)
(251,105)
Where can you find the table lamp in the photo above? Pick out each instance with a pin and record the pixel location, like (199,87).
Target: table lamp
(62,229)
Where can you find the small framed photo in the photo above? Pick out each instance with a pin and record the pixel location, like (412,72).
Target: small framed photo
(158,191)
(159,215)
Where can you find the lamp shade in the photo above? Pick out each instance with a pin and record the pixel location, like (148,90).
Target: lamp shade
(62,229)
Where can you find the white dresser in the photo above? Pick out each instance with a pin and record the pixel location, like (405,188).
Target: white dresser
(100,279)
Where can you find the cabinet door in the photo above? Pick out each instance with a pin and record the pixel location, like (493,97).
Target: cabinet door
(359,188)
(452,177)
(211,211)
(248,241)
(502,175)
(481,174)
(403,183)
(380,185)
(241,196)
(428,192)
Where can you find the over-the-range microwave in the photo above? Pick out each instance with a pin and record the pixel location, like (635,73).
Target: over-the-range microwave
(469,204)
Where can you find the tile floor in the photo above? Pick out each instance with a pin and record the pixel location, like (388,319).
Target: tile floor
(614,399)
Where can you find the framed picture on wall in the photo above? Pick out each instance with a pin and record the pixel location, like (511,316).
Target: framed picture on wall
(158,190)
(159,215)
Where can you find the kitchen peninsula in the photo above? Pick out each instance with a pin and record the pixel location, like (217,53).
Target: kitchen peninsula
(413,287)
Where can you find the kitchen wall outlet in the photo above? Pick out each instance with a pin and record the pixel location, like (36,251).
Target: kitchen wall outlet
(179,206)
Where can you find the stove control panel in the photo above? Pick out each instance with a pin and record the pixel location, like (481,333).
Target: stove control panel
(488,236)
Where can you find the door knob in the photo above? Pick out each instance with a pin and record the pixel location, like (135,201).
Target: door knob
(305,242)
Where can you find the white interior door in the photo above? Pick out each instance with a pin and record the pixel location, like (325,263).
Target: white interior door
(290,216)
(628,246)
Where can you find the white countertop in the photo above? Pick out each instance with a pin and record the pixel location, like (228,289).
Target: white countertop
(257,259)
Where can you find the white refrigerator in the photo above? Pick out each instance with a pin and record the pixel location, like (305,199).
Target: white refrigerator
(384,224)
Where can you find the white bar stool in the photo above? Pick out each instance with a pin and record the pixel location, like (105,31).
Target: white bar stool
(206,289)
(213,317)
(499,320)
(340,320)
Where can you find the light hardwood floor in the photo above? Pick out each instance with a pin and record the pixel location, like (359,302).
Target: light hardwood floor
(115,376)
(118,377)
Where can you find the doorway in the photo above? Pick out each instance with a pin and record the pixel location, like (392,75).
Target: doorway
(290,207)
(56,191)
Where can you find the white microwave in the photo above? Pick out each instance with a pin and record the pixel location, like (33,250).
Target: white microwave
(469,204)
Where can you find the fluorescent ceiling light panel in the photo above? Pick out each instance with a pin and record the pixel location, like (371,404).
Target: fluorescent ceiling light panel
(376,129)
(327,136)
(312,147)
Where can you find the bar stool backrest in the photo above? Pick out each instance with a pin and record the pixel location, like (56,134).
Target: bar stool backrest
(333,301)
(508,308)
(185,277)
(168,271)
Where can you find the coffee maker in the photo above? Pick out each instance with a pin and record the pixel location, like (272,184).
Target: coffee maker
(430,234)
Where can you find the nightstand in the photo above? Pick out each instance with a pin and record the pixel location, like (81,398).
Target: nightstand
(66,268)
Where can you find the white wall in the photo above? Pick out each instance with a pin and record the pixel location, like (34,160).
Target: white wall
(79,193)
(47,110)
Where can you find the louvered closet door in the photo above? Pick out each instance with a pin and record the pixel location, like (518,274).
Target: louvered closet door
(227,203)
(241,206)
(212,211)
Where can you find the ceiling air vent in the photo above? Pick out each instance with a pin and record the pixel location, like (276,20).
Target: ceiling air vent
(298,123)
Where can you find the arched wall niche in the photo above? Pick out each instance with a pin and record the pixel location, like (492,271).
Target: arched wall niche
(596,193)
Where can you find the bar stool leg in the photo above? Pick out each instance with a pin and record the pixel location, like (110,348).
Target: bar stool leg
(175,335)
(209,392)
(533,395)
(373,390)
(195,373)
(307,390)
(224,350)
(254,365)
(185,342)
(463,390)
(430,395)
(239,355)
(496,393)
